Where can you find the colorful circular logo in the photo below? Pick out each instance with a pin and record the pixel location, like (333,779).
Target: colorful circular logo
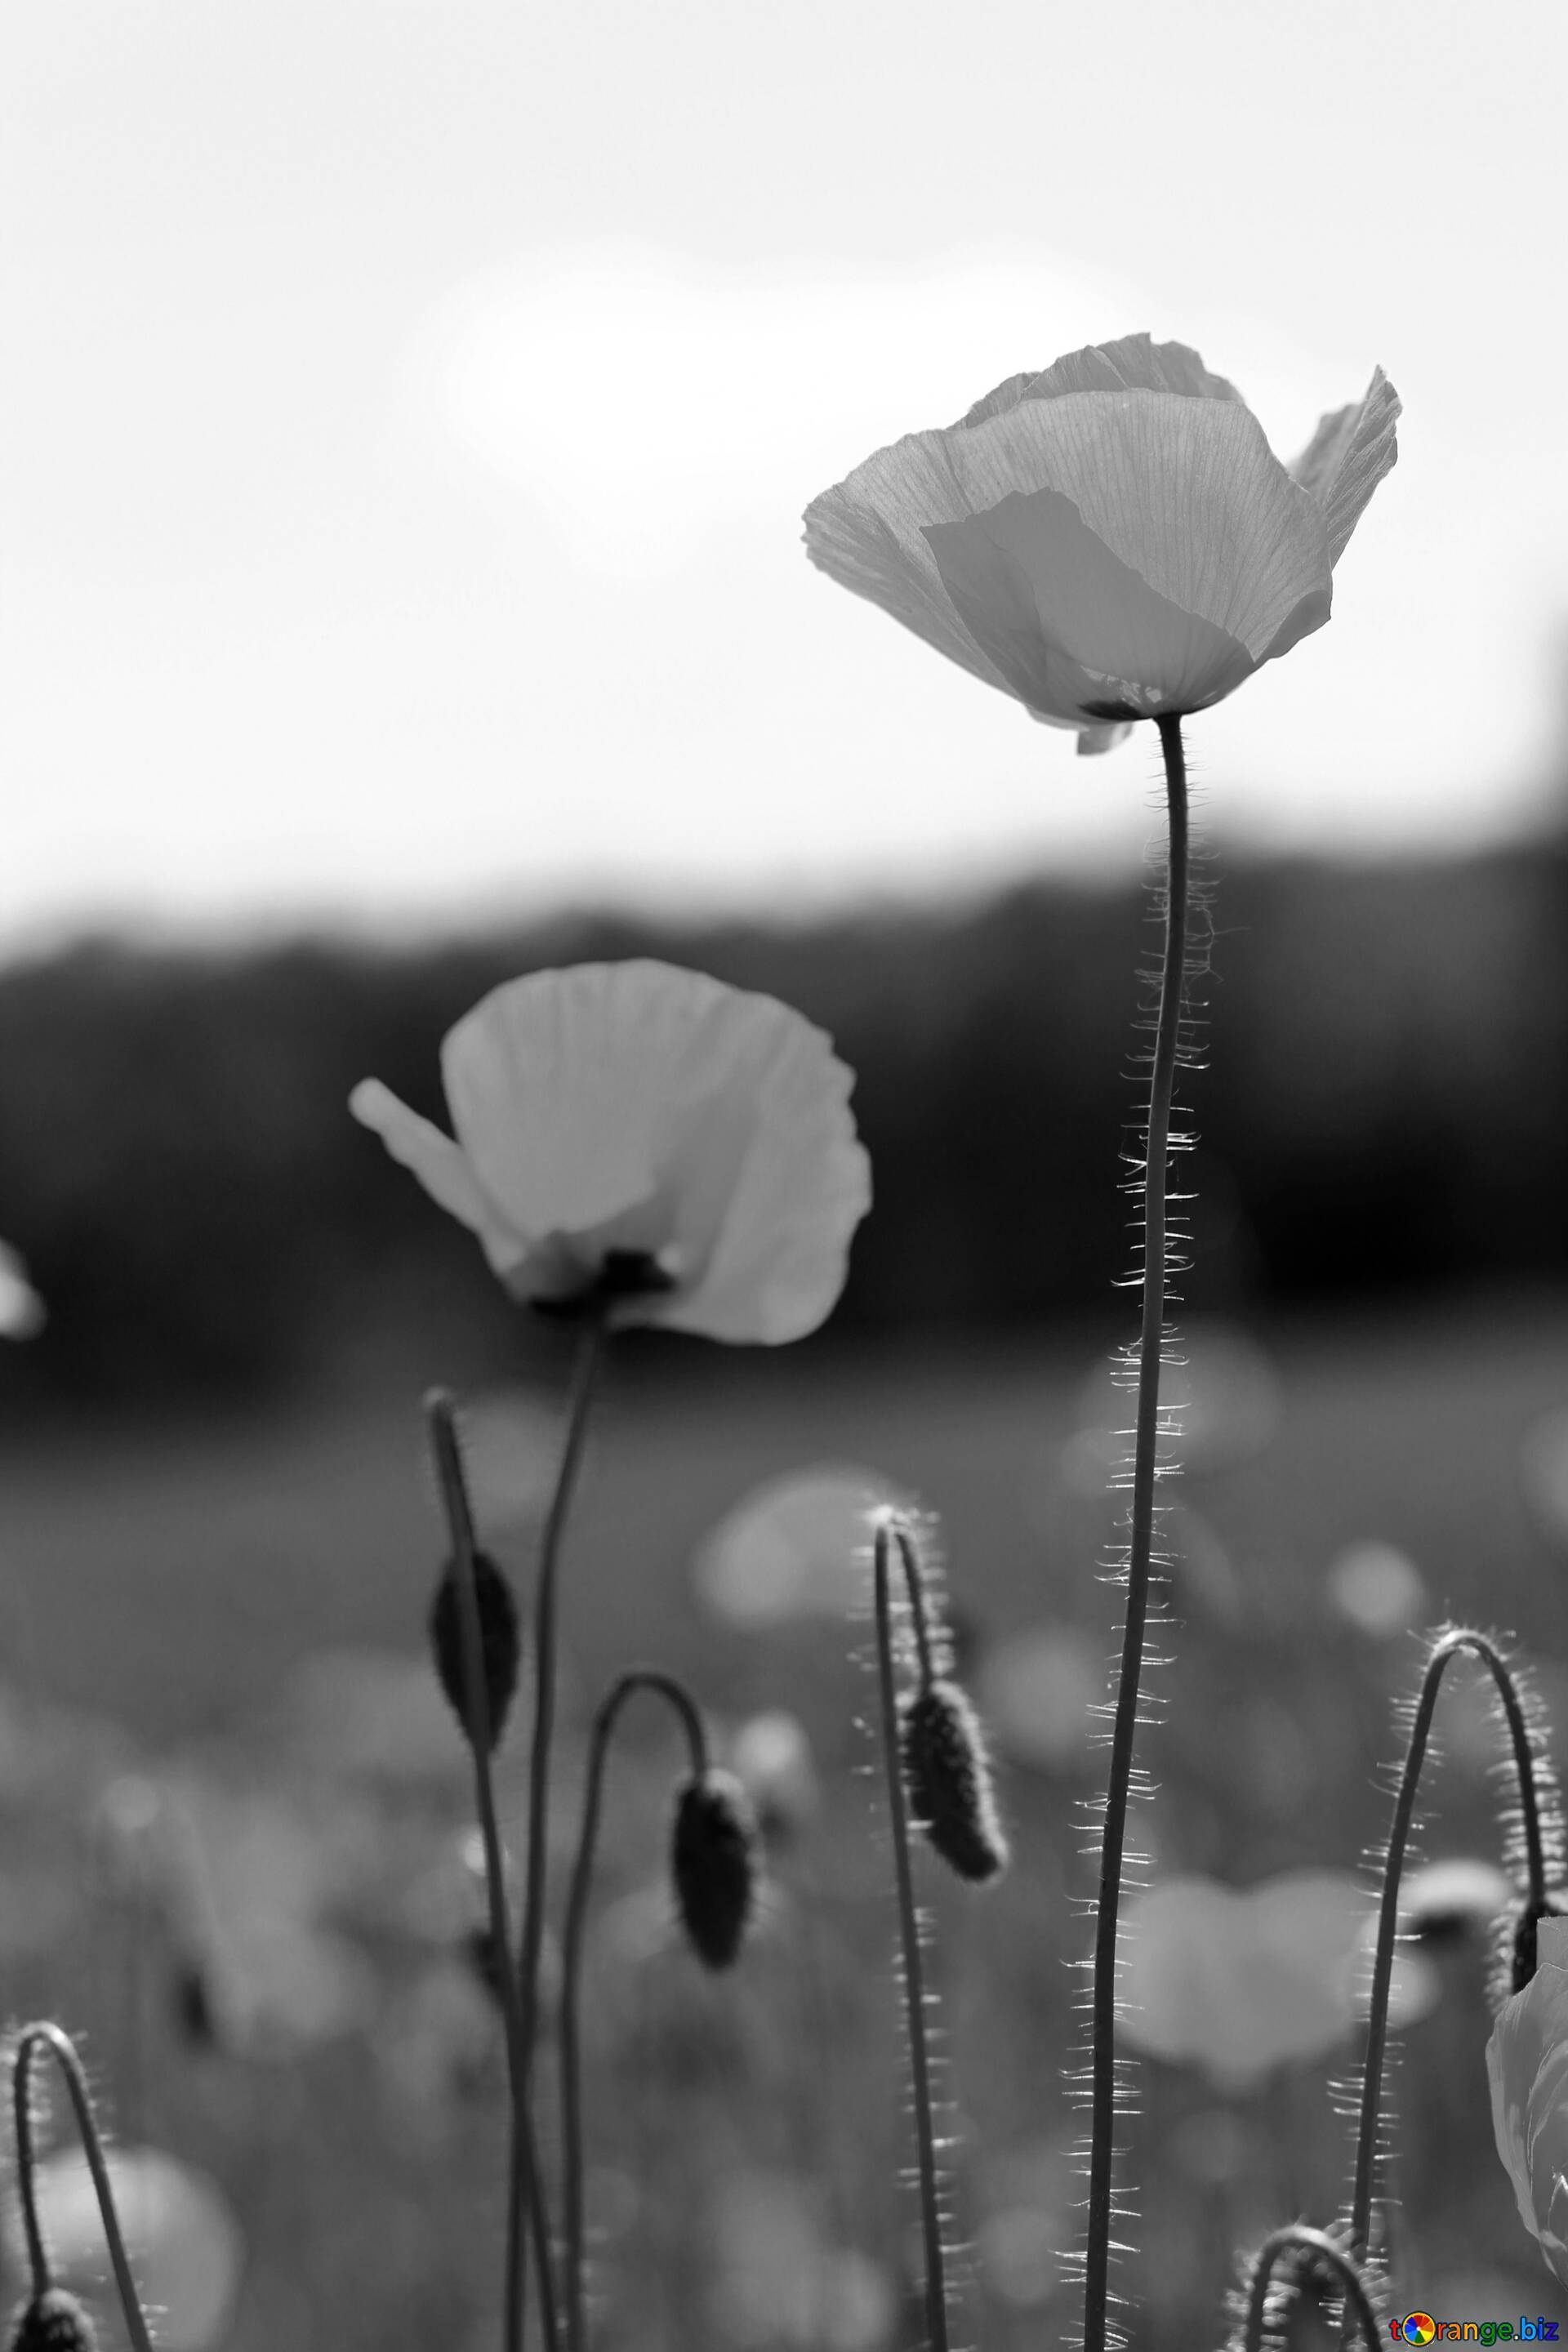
(1418,2327)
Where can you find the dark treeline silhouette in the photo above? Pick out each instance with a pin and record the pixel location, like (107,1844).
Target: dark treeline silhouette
(1386,1106)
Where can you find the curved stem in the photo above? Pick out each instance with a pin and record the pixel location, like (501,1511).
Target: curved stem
(914,1584)
(637,1678)
(440,1415)
(1296,2233)
(60,2045)
(1096,2256)
(1447,1646)
(908,1932)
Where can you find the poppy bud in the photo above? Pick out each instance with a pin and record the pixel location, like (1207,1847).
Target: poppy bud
(714,1861)
(500,1641)
(948,1775)
(53,2322)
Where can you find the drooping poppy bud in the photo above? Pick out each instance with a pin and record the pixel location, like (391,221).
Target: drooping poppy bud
(53,2322)
(499,1643)
(949,1777)
(713,1860)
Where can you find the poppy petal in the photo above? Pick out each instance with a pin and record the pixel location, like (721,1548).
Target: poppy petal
(1133,362)
(1070,625)
(778,1260)
(866,534)
(441,1167)
(1187,492)
(1103,739)
(1347,456)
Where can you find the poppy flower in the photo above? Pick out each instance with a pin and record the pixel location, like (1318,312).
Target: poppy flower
(1527,2061)
(1109,540)
(643,1135)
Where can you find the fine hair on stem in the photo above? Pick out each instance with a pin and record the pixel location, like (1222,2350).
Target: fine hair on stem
(1107,2091)
(24,2046)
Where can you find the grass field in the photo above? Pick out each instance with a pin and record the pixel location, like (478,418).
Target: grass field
(157,1601)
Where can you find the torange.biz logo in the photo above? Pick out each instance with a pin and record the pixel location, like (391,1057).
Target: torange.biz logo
(1420,2327)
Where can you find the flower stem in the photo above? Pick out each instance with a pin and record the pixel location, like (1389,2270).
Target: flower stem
(439,1413)
(1296,2233)
(63,2050)
(1096,2256)
(637,1678)
(1447,1646)
(909,1926)
(583,1373)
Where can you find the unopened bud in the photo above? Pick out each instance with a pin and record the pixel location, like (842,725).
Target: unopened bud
(713,1859)
(948,1775)
(53,2322)
(499,1643)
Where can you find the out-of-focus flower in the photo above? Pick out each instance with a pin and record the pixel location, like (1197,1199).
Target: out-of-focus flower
(1110,540)
(1238,1981)
(640,1132)
(770,1757)
(1443,1901)
(184,2243)
(796,1545)
(21,1313)
(1527,2061)
(1376,1589)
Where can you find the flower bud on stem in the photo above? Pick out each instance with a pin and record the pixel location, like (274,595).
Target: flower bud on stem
(1444,1646)
(1097,2250)
(1328,2250)
(526,2181)
(46,2036)
(909,1926)
(667,1687)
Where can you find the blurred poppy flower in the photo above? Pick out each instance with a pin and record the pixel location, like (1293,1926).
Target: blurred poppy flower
(22,1313)
(1109,540)
(640,1132)
(184,2243)
(795,1546)
(1527,2061)
(1238,1981)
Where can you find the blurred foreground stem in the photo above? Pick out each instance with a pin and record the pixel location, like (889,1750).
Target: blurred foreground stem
(1097,2257)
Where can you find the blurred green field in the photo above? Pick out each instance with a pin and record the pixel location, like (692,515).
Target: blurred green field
(158,1595)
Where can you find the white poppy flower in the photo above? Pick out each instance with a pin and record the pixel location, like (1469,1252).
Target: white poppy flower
(640,1133)
(1110,540)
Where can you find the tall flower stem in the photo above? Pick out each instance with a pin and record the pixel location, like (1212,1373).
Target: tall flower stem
(635,1679)
(1447,1646)
(909,1925)
(579,1395)
(441,1417)
(1096,2256)
(31,2038)
(1282,2241)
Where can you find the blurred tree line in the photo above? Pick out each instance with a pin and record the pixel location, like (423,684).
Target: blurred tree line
(1387,1107)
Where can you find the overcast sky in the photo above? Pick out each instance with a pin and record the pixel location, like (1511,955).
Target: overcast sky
(409,407)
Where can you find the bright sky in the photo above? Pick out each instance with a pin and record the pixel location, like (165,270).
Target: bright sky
(411,403)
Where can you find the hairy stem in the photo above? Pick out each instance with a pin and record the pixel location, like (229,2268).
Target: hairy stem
(1296,2233)
(1097,2258)
(441,1417)
(908,1933)
(59,2044)
(637,1678)
(1447,1646)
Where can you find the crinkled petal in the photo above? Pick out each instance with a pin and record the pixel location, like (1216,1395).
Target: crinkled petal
(1347,456)
(1187,492)
(1530,2026)
(779,1258)
(1072,628)
(441,1167)
(866,534)
(1134,363)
